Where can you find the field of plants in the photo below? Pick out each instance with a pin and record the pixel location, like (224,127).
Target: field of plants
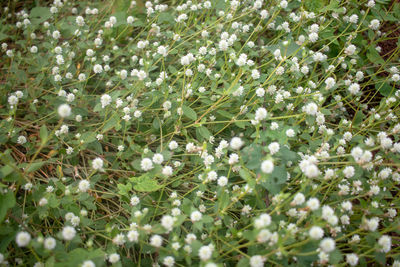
(200,133)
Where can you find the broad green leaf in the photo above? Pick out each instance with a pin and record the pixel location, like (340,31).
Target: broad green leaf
(145,184)
(7,201)
(189,112)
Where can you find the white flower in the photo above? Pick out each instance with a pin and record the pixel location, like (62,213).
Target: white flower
(167,171)
(267,166)
(119,239)
(255,74)
(169,261)
(156,241)
(133,236)
(313,203)
(49,243)
(84,185)
(158,158)
(290,133)
(97,164)
(64,110)
(350,50)
(316,232)
(173,145)
(146,164)
(354,88)
(21,140)
(257,261)
(311,109)
(105,100)
(43,202)
(298,199)
(273,147)
(88,263)
(349,171)
(130,19)
(327,245)
(97,68)
(68,233)
(261,114)
(205,253)
(352,259)
(113,258)
(167,222)
(80,21)
(262,221)
(385,242)
(195,216)
(236,143)
(222,181)
(22,239)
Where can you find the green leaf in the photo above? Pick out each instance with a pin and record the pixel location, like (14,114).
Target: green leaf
(384,88)
(7,201)
(252,155)
(43,133)
(145,184)
(189,112)
(124,189)
(35,166)
(40,14)
(111,123)
(203,132)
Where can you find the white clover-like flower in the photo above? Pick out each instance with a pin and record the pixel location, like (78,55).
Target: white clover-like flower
(156,241)
(261,114)
(105,100)
(88,263)
(205,253)
(146,164)
(49,243)
(64,110)
(327,244)
(22,239)
(167,222)
(273,147)
(385,243)
(158,158)
(257,261)
(84,185)
(352,259)
(169,261)
(97,164)
(97,68)
(196,216)
(267,166)
(113,258)
(316,232)
(68,233)
(236,143)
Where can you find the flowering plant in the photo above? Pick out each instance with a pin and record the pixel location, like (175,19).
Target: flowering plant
(200,133)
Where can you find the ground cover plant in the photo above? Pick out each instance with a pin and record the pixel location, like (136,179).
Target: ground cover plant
(200,133)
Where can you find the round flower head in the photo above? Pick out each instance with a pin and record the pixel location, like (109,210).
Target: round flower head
(257,261)
(22,239)
(146,164)
(64,110)
(88,263)
(84,185)
(267,166)
(68,233)
(97,164)
(49,243)
(236,143)
(113,258)
(327,245)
